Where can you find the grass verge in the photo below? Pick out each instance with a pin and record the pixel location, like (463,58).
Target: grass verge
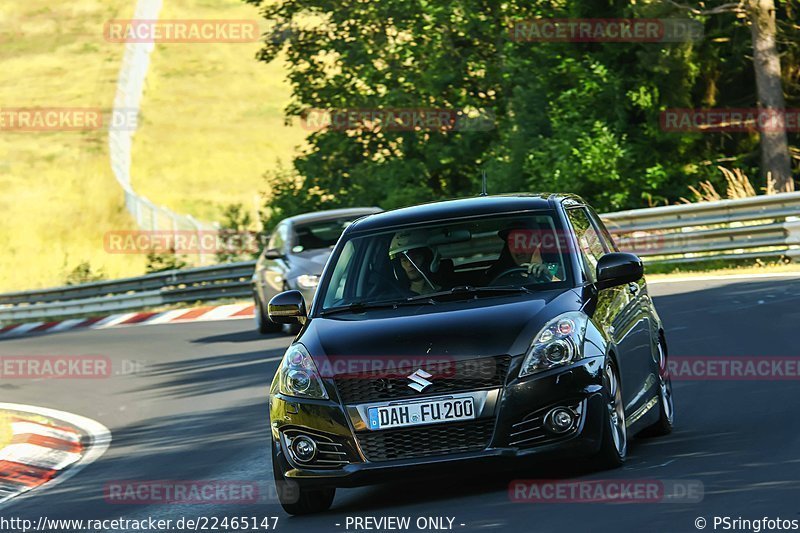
(721,268)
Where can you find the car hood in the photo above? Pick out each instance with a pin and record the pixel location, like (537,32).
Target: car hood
(453,330)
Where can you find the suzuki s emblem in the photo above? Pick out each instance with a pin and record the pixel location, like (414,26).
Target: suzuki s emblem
(419,380)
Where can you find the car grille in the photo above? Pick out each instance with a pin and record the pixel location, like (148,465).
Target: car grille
(409,443)
(531,431)
(457,376)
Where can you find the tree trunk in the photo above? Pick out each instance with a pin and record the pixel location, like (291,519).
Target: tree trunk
(775,159)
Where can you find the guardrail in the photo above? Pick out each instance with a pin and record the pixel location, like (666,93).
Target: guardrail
(231,280)
(762,226)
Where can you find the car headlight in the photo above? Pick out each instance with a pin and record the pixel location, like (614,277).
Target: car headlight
(308,282)
(558,343)
(298,375)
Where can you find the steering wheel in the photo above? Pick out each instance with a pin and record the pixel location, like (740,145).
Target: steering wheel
(521,272)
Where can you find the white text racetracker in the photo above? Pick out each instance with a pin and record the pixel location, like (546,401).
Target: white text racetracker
(400,523)
(430,411)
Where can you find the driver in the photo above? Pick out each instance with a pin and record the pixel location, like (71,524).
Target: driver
(416,261)
(521,254)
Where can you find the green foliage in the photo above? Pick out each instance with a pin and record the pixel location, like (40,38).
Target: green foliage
(238,241)
(159,262)
(573,117)
(84,273)
(236,218)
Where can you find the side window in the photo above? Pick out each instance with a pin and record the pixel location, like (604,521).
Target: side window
(339,278)
(591,248)
(278,239)
(608,241)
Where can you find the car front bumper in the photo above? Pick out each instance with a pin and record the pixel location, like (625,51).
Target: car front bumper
(579,384)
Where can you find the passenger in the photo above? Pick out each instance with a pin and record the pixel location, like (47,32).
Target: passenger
(416,260)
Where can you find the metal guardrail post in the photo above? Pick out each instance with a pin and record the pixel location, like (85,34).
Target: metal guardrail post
(199,230)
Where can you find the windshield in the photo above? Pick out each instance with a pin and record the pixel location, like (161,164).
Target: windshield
(480,256)
(321,234)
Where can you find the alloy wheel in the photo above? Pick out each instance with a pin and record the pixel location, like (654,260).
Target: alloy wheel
(665,383)
(616,411)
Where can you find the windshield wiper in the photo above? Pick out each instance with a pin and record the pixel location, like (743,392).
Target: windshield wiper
(428,299)
(468,290)
(358,307)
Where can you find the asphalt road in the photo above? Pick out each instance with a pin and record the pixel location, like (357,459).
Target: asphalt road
(196,410)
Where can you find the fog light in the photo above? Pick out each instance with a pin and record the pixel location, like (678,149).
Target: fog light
(560,420)
(304,449)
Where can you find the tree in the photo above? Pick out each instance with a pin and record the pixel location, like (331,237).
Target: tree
(163,261)
(766,61)
(577,117)
(775,156)
(84,273)
(236,239)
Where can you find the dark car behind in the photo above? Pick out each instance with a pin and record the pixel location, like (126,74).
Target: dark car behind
(295,255)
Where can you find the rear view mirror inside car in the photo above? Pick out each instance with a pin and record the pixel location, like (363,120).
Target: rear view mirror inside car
(449,237)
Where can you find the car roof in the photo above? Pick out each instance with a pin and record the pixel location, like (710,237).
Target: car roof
(331,214)
(465,207)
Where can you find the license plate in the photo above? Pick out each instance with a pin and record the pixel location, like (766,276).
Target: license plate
(421,413)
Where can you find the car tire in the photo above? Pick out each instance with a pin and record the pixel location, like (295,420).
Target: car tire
(614,444)
(263,323)
(297,500)
(666,405)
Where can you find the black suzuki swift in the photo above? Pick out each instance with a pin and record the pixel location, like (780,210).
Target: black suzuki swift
(473,331)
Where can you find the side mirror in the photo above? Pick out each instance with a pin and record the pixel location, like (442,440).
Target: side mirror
(288,308)
(618,268)
(273,253)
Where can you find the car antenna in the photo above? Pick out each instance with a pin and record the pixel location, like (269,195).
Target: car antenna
(483,185)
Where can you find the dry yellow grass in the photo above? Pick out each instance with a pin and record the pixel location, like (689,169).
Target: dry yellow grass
(213,119)
(211,126)
(57,189)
